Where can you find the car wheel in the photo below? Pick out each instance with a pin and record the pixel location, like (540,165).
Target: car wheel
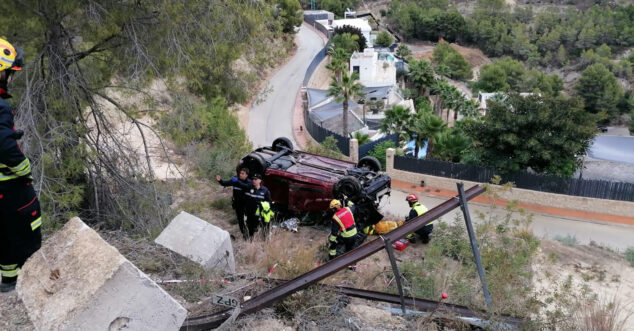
(282,142)
(347,186)
(254,162)
(369,162)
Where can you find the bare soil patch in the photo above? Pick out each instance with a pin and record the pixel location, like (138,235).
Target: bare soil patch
(474,56)
(602,271)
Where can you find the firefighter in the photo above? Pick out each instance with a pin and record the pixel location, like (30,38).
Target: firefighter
(418,209)
(343,230)
(238,202)
(258,204)
(20,215)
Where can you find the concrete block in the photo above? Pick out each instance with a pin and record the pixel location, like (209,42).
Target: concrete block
(199,241)
(77,281)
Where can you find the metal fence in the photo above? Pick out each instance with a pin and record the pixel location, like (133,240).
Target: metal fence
(366,148)
(312,21)
(314,64)
(320,134)
(546,183)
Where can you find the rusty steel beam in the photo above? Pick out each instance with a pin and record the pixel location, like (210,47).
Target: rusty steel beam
(424,304)
(342,262)
(214,320)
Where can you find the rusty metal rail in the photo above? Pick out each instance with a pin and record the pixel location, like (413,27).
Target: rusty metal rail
(426,304)
(327,269)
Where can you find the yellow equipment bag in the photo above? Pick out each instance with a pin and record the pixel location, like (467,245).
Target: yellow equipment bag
(386,226)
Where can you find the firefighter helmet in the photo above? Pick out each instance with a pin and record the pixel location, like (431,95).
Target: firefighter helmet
(411,198)
(10,58)
(335,204)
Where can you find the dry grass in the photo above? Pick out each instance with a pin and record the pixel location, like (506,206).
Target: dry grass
(607,314)
(293,254)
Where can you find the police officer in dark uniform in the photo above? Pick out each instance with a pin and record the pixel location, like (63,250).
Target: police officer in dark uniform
(258,197)
(239,199)
(20,215)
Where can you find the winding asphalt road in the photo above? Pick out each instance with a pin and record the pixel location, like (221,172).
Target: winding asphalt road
(271,115)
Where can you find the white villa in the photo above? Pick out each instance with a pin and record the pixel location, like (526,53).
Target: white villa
(374,68)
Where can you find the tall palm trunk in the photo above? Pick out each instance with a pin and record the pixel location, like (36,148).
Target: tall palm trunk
(345,117)
(430,148)
(416,148)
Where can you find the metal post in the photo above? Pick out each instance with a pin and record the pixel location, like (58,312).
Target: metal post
(474,243)
(397,275)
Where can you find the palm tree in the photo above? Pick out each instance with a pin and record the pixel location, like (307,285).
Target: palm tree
(398,120)
(339,59)
(468,108)
(427,127)
(402,51)
(450,145)
(421,75)
(360,137)
(345,88)
(347,41)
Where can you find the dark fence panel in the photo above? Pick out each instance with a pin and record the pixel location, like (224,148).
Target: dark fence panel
(314,64)
(366,148)
(546,183)
(320,134)
(312,21)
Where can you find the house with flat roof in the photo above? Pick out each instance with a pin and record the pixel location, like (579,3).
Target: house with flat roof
(374,68)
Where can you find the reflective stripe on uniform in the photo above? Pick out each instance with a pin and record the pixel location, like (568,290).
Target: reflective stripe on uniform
(7,177)
(266,211)
(332,252)
(36,224)
(8,267)
(23,168)
(10,273)
(420,209)
(349,233)
(332,238)
(346,231)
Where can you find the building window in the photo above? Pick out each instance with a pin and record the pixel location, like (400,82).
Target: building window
(355,69)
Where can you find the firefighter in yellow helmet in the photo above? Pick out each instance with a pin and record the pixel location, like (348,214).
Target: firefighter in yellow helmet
(418,209)
(343,230)
(20,215)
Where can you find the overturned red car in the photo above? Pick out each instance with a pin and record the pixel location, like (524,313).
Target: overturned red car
(303,182)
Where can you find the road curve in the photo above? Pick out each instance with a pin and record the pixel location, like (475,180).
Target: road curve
(271,114)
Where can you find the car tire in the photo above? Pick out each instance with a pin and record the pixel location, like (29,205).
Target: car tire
(255,163)
(282,142)
(347,186)
(369,162)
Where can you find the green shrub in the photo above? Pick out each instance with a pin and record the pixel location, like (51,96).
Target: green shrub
(629,255)
(328,148)
(379,151)
(384,39)
(209,132)
(568,240)
(223,204)
(450,63)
